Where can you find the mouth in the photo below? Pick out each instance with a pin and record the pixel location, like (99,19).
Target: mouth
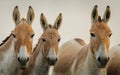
(101,65)
(23,66)
(51,63)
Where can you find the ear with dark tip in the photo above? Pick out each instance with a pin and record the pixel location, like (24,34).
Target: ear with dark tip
(58,21)
(106,16)
(94,14)
(43,21)
(30,15)
(16,15)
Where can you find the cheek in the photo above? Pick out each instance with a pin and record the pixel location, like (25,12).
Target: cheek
(56,49)
(55,46)
(94,46)
(28,44)
(17,46)
(107,42)
(46,49)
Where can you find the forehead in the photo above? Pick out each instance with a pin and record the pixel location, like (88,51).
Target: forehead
(51,33)
(100,27)
(23,28)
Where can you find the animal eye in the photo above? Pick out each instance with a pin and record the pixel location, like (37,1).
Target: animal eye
(92,34)
(43,40)
(32,35)
(14,35)
(110,34)
(59,40)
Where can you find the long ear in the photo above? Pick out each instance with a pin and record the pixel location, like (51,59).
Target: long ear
(94,14)
(58,21)
(16,15)
(107,14)
(30,15)
(43,21)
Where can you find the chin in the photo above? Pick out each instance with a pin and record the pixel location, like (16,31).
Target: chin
(100,65)
(52,63)
(23,66)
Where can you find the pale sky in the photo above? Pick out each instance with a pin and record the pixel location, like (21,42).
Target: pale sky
(76,17)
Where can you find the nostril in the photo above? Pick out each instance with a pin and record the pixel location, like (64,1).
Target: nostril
(108,58)
(99,59)
(55,59)
(48,59)
(18,59)
(27,58)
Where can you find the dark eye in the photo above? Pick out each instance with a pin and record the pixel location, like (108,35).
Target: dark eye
(59,40)
(14,35)
(32,35)
(43,40)
(110,34)
(92,34)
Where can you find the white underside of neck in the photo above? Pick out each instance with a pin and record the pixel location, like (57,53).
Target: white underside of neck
(8,64)
(91,67)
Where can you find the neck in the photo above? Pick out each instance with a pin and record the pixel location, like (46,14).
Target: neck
(6,44)
(91,65)
(8,57)
(41,66)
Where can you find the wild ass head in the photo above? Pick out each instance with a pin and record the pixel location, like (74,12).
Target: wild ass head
(23,36)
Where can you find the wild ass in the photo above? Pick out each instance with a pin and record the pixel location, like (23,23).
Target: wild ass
(16,49)
(88,59)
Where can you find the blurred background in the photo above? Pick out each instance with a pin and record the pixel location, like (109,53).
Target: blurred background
(76,17)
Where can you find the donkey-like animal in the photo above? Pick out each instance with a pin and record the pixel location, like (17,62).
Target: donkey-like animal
(113,67)
(90,59)
(16,49)
(45,52)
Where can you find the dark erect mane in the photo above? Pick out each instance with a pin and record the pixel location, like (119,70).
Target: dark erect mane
(5,40)
(36,46)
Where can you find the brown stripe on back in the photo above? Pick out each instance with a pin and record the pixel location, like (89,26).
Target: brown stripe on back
(80,41)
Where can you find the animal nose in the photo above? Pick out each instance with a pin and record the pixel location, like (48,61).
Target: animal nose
(23,61)
(103,60)
(51,61)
